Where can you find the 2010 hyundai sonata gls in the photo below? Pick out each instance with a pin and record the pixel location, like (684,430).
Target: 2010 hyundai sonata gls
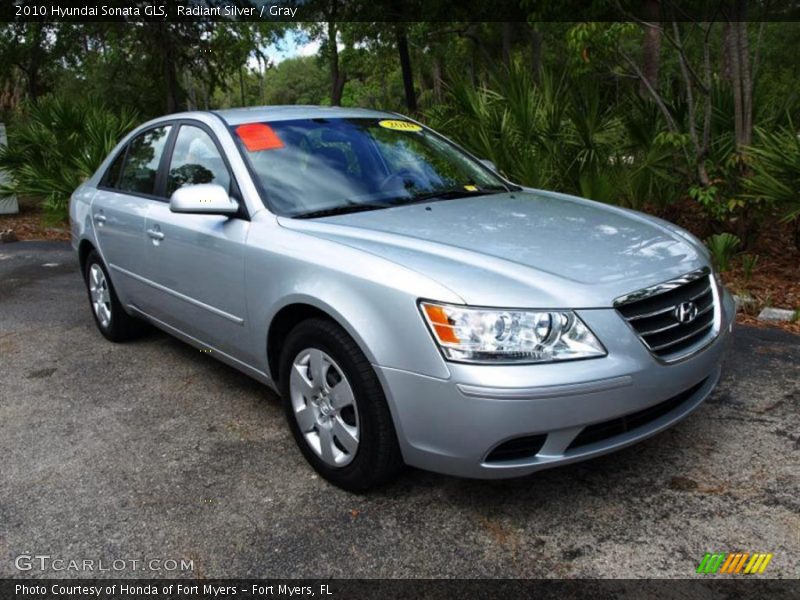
(409,304)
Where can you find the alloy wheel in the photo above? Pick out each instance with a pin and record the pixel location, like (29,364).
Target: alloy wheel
(324,407)
(100,295)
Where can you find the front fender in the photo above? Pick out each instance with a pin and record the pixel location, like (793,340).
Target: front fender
(374,300)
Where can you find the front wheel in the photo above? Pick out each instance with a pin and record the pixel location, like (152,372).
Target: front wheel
(336,408)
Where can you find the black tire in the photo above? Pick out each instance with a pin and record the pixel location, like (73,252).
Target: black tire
(377,459)
(121,326)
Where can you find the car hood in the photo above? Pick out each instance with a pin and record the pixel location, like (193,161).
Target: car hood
(519,249)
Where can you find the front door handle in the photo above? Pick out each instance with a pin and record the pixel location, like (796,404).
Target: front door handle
(99,219)
(155,234)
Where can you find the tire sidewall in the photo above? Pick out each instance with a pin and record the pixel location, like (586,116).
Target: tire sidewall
(122,326)
(367,399)
(94,259)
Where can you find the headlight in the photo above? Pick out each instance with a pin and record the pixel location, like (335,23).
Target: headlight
(509,336)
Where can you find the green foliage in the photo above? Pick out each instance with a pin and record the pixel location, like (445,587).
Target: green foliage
(776,170)
(555,104)
(152,68)
(707,198)
(299,80)
(562,133)
(58,146)
(723,247)
(749,262)
(592,42)
(649,156)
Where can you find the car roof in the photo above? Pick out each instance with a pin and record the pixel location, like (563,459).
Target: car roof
(255,114)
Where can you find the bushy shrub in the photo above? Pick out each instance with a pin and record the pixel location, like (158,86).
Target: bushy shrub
(561,133)
(56,146)
(723,247)
(776,170)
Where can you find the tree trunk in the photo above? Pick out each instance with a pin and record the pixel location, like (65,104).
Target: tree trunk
(727,44)
(747,83)
(337,76)
(262,68)
(33,83)
(405,66)
(651,45)
(173,89)
(191,97)
(436,75)
(732,50)
(506,39)
(797,234)
(536,54)
(34,63)
(699,150)
(168,64)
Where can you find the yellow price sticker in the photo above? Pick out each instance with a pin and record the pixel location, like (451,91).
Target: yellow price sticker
(399,125)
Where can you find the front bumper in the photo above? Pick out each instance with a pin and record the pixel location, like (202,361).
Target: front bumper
(452,425)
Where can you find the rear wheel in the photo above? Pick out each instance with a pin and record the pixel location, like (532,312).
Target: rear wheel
(336,408)
(109,316)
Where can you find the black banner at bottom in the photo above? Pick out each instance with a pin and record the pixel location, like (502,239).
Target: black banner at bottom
(355,589)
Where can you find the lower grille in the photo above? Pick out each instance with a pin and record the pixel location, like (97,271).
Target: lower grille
(608,429)
(674,317)
(523,447)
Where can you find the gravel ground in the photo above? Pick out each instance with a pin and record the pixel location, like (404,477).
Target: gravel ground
(153,450)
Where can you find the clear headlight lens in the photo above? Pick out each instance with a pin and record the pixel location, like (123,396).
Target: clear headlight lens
(509,336)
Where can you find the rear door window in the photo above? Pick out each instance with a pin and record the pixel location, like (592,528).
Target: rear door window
(111,177)
(141,161)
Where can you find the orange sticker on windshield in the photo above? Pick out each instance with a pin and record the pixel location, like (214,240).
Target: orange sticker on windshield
(399,125)
(257,136)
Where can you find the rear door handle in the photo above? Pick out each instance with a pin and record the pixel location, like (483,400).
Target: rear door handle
(155,234)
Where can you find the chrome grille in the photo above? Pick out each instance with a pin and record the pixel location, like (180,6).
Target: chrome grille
(673,318)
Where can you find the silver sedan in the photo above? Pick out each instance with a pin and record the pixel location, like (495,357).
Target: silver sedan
(410,304)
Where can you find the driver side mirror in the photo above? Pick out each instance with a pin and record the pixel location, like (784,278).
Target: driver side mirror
(203,199)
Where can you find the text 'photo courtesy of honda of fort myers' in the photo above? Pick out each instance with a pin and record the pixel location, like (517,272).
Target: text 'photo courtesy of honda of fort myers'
(411,305)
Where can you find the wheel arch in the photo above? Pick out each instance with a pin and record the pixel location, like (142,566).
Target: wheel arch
(84,249)
(288,317)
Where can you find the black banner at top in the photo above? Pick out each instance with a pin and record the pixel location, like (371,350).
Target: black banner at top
(390,10)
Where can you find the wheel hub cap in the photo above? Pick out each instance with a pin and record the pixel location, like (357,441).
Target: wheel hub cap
(100,295)
(324,407)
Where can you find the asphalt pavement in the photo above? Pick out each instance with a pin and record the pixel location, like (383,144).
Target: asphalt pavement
(151,450)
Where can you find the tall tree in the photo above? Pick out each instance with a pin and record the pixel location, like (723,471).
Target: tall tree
(327,32)
(651,44)
(741,68)
(405,67)
(536,52)
(32,49)
(506,39)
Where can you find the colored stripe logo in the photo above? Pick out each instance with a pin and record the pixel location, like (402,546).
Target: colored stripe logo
(743,563)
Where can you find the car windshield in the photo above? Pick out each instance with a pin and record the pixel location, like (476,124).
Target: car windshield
(316,167)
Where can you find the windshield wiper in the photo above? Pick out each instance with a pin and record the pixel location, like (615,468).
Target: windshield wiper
(343,209)
(452,194)
(353,207)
